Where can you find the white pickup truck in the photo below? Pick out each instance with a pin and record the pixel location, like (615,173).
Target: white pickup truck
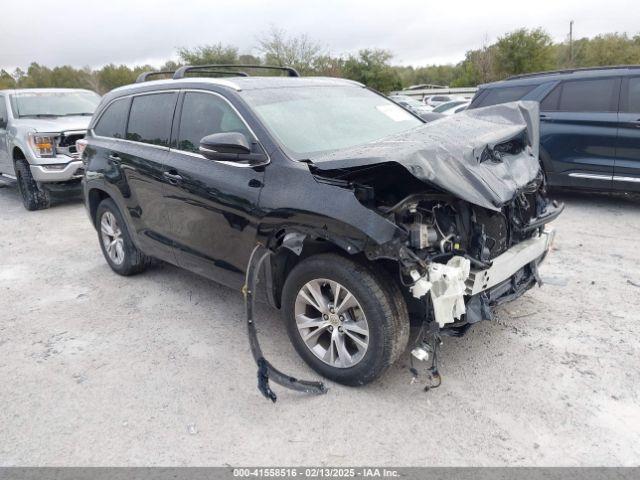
(38,133)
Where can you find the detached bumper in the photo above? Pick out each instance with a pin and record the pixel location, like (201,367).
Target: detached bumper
(57,173)
(510,262)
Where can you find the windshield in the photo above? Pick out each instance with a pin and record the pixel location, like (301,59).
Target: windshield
(316,119)
(54,104)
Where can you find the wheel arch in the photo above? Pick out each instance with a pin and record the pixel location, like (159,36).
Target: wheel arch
(94,197)
(293,244)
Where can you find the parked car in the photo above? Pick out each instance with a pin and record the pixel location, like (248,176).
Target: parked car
(411,104)
(435,100)
(449,108)
(38,133)
(431,116)
(374,218)
(589,123)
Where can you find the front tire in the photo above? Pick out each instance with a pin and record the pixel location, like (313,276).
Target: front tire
(115,241)
(348,322)
(33,196)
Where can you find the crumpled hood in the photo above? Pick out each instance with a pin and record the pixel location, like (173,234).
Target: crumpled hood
(54,125)
(454,153)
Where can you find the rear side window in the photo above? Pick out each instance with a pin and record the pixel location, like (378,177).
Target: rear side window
(633,95)
(205,114)
(112,121)
(495,96)
(150,118)
(595,95)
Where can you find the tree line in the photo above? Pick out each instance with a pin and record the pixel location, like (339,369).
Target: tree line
(520,51)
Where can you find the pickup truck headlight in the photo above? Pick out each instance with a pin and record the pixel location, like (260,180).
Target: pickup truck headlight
(43,144)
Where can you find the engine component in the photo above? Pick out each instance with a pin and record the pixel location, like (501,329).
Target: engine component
(422,235)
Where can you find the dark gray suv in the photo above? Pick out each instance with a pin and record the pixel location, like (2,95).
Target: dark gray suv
(589,123)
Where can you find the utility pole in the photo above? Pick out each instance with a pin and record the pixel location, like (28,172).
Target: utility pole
(571,43)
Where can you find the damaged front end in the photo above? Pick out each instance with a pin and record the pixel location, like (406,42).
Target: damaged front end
(469,196)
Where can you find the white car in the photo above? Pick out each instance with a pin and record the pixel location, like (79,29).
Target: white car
(452,107)
(436,100)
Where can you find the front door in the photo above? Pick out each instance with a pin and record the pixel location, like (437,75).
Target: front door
(211,205)
(578,131)
(626,175)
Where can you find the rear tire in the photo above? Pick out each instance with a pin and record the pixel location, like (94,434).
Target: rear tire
(377,317)
(118,249)
(33,196)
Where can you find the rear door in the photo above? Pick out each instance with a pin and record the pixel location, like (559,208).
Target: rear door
(626,175)
(578,131)
(133,154)
(211,205)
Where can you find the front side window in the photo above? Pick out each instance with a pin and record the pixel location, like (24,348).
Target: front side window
(54,104)
(313,119)
(596,95)
(113,120)
(151,117)
(205,114)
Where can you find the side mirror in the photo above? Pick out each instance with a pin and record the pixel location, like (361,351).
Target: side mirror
(3,123)
(228,146)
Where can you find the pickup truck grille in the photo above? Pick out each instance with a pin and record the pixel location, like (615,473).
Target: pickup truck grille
(66,143)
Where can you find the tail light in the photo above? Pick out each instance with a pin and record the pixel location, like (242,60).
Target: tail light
(80,146)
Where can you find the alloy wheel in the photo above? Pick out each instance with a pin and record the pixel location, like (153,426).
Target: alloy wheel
(331,323)
(112,240)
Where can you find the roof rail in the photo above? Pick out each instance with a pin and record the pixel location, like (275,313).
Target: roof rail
(182,71)
(571,70)
(144,76)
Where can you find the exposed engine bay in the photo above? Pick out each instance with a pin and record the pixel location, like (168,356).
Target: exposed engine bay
(447,241)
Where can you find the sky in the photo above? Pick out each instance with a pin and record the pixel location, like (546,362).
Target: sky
(418,32)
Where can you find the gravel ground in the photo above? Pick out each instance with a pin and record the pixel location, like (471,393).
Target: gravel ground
(98,369)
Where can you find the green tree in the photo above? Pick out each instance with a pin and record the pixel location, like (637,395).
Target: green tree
(372,68)
(299,52)
(612,49)
(209,54)
(524,51)
(112,76)
(6,80)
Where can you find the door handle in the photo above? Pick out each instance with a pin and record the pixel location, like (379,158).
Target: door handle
(173,178)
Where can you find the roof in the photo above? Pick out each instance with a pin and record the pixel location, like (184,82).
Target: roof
(540,77)
(242,83)
(44,90)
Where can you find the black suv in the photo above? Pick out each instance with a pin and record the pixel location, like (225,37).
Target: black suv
(374,219)
(589,123)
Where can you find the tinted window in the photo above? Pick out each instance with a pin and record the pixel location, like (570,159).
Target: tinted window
(112,121)
(204,114)
(150,118)
(597,95)
(495,96)
(633,96)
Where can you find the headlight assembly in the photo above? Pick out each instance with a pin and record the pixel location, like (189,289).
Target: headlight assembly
(43,144)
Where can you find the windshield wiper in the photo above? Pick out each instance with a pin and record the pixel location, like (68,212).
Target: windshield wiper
(80,114)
